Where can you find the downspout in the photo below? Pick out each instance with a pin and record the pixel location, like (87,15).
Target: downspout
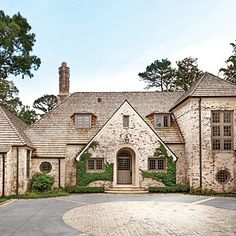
(200,140)
(3,174)
(17,171)
(59,172)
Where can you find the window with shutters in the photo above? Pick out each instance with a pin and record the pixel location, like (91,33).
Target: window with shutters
(222,130)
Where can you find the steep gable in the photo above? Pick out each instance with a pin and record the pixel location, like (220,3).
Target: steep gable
(208,86)
(138,132)
(11,130)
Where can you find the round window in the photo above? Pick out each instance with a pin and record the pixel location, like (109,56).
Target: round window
(222,176)
(45,167)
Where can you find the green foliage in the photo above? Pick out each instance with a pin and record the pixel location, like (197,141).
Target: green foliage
(187,73)
(229,72)
(84,177)
(45,103)
(168,178)
(16,45)
(28,115)
(170,189)
(159,74)
(85,189)
(42,182)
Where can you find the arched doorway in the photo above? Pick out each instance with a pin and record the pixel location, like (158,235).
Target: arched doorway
(124,167)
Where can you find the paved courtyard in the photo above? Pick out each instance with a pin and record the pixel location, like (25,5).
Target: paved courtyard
(106,214)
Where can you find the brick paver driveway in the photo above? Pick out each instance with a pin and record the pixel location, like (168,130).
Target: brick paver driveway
(105,214)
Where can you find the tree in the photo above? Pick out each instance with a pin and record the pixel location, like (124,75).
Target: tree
(45,103)
(9,96)
(187,72)
(159,74)
(16,45)
(29,116)
(229,72)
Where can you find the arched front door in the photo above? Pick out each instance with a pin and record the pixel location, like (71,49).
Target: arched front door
(124,167)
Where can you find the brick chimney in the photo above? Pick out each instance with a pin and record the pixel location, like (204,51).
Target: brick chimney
(64,82)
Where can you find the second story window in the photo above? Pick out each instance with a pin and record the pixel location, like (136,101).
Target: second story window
(222,130)
(83,121)
(126,121)
(162,120)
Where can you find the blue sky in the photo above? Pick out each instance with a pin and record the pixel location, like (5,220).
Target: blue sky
(106,43)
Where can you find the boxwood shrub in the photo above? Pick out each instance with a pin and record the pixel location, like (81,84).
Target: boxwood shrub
(170,189)
(84,189)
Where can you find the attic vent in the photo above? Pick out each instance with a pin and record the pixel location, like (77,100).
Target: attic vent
(99,100)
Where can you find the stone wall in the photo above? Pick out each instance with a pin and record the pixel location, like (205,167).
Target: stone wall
(187,115)
(141,142)
(35,167)
(71,165)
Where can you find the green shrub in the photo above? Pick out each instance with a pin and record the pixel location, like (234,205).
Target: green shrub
(85,189)
(170,189)
(42,182)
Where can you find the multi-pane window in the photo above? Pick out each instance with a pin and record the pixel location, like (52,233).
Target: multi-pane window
(95,164)
(223,176)
(126,121)
(162,120)
(157,164)
(222,130)
(83,121)
(45,167)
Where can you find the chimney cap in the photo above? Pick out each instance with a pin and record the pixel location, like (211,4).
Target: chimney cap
(63,63)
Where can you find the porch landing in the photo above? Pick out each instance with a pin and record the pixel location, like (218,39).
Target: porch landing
(124,189)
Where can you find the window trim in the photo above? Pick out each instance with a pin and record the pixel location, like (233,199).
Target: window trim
(222,124)
(162,115)
(124,122)
(95,165)
(156,164)
(83,115)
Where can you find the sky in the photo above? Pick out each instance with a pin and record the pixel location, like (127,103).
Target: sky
(106,43)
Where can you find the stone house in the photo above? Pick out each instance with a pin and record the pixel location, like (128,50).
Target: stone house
(196,130)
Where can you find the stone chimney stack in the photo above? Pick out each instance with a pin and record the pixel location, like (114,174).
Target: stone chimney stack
(64,82)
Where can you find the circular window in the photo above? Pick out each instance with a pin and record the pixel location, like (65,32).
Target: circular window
(45,167)
(222,176)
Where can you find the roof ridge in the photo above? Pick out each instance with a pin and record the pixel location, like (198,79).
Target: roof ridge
(197,84)
(13,126)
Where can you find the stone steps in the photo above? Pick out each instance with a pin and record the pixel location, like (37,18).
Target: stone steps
(126,190)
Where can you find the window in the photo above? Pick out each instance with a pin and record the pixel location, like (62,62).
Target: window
(222,125)
(83,121)
(126,121)
(222,176)
(28,164)
(95,164)
(45,167)
(162,120)
(157,164)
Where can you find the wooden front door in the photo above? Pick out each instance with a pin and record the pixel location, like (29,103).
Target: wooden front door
(124,168)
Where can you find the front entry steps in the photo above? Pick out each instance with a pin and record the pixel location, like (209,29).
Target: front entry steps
(123,189)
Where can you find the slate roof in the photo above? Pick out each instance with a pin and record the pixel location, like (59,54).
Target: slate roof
(56,129)
(11,131)
(208,86)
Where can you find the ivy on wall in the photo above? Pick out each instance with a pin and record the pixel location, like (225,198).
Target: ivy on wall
(84,177)
(168,178)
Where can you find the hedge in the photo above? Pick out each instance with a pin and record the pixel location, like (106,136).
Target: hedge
(170,189)
(85,189)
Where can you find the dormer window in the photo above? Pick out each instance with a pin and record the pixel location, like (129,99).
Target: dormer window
(83,121)
(162,120)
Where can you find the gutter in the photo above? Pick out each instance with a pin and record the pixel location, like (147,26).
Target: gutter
(200,140)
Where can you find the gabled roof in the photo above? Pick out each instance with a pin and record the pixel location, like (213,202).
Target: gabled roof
(208,85)
(11,130)
(148,128)
(56,129)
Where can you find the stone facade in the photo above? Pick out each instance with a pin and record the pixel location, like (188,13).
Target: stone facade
(56,138)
